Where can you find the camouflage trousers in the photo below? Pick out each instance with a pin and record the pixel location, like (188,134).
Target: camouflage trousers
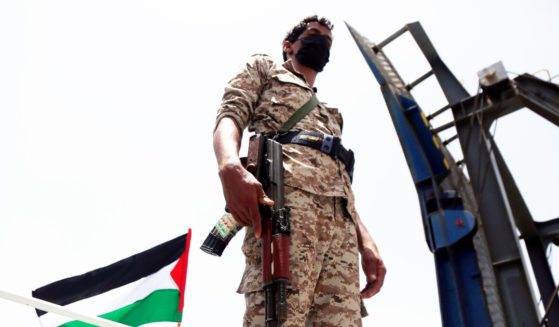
(324,268)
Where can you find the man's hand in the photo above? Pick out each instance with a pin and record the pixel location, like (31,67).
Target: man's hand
(374,270)
(371,262)
(243,192)
(241,189)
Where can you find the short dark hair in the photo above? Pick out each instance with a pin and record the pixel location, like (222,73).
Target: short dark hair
(298,29)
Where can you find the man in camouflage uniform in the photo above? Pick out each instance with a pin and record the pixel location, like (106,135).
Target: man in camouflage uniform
(327,234)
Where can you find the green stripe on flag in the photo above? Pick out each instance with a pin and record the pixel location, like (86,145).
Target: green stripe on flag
(161,305)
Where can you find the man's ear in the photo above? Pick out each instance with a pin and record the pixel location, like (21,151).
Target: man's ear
(287,47)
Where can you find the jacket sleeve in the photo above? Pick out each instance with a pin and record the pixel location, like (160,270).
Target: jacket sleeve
(243,91)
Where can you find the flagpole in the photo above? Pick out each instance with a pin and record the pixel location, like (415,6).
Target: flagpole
(55,308)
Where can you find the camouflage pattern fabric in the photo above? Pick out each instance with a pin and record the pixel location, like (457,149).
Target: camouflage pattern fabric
(262,97)
(324,270)
(324,265)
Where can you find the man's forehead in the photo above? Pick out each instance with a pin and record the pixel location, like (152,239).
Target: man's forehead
(317,26)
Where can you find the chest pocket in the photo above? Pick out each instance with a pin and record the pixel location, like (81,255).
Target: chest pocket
(283,96)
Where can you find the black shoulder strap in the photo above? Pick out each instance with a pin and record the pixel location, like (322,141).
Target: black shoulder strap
(299,114)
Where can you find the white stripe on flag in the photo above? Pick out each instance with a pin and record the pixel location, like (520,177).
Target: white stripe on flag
(116,298)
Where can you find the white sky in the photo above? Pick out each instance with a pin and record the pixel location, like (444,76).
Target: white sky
(106,117)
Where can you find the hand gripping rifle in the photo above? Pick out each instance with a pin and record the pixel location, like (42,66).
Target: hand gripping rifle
(227,227)
(265,162)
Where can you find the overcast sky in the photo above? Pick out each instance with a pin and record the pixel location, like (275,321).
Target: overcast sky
(106,118)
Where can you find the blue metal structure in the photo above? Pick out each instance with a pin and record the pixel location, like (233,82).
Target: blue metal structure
(468,224)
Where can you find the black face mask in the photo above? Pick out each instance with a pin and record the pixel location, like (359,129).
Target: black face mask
(314,52)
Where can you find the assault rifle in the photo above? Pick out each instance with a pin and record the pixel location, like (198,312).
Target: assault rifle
(265,162)
(275,239)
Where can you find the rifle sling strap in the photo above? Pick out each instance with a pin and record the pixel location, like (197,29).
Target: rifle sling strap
(299,114)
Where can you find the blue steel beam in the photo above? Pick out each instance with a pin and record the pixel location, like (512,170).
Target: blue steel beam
(449,228)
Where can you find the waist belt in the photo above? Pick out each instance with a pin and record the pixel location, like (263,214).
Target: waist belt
(328,144)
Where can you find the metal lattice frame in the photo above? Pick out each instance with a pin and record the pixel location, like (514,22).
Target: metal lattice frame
(491,194)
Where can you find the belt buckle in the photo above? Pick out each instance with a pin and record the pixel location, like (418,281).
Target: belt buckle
(327,144)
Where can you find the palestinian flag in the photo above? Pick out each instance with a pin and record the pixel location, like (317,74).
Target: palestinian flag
(147,287)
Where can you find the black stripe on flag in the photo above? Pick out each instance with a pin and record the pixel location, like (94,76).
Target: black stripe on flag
(125,271)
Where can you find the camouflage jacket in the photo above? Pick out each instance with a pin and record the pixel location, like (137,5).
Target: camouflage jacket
(262,97)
